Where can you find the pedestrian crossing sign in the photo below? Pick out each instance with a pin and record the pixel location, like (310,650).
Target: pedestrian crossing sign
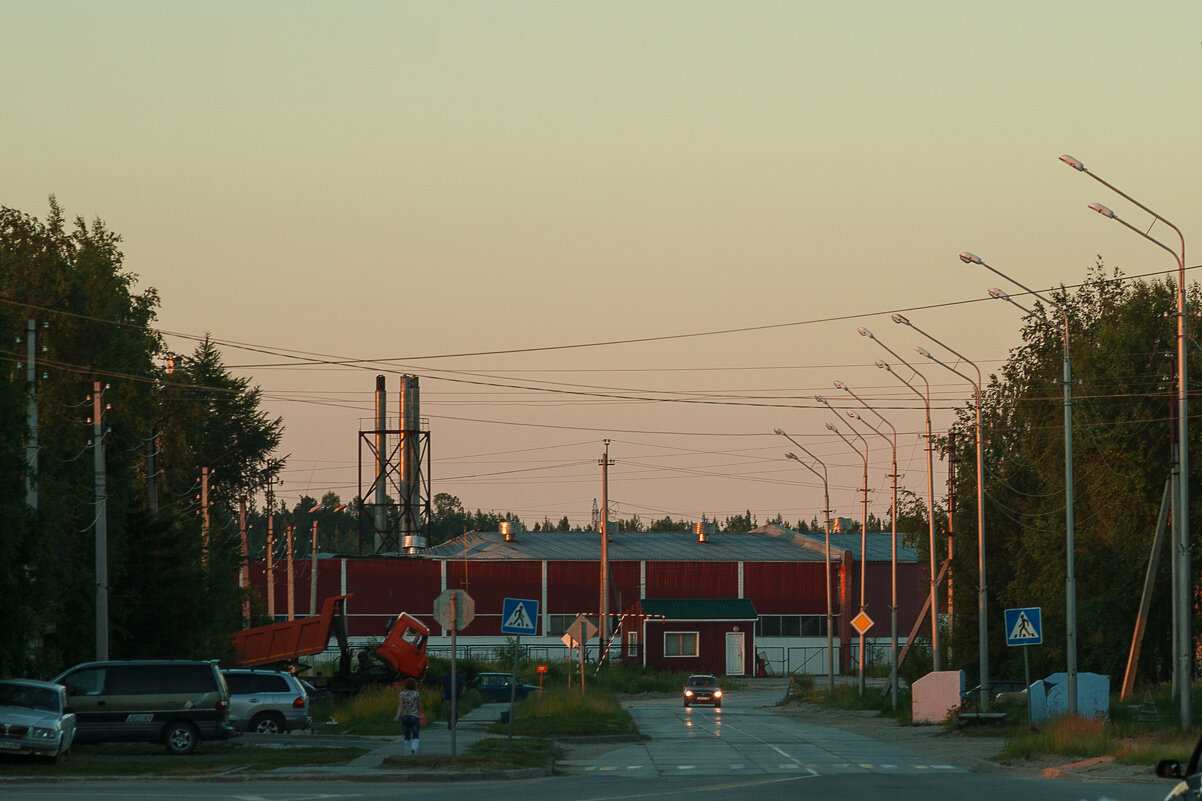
(1024,626)
(519,616)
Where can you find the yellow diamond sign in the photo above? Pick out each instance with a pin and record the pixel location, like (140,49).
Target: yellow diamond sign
(861,623)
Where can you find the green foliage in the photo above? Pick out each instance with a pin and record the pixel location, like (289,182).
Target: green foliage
(565,711)
(1122,339)
(740,523)
(172,590)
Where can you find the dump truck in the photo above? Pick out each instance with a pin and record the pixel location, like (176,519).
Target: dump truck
(401,655)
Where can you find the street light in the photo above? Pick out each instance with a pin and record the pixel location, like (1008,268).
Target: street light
(1070,578)
(982,592)
(926,399)
(863,533)
(1181,516)
(826,516)
(893,541)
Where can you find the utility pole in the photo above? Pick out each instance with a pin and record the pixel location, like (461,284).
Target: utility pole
(313,575)
(102,591)
(288,583)
(152,484)
(269,555)
(31,414)
(244,571)
(204,511)
(604,617)
(951,537)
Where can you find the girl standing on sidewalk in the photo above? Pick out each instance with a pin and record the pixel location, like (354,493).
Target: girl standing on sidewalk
(409,713)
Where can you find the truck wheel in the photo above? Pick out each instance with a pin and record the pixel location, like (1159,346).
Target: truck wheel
(267,723)
(180,737)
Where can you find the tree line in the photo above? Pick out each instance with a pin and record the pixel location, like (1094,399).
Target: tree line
(164,417)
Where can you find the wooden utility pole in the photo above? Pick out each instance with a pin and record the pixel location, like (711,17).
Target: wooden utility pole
(102,557)
(603,623)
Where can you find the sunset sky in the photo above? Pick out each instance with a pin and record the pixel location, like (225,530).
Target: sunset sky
(657,223)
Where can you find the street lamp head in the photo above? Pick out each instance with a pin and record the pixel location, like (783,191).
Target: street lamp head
(854,415)
(831,427)
(998,294)
(921,351)
(781,432)
(1100,209)
(840,385)
(864,332)
(821,400)
(792,456)
(969,258)
(883,366)
(1074,163)
(900,320)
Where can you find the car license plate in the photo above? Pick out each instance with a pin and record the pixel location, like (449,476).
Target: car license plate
(9,745)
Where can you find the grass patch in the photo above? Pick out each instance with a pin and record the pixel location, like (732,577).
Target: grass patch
(371,711)
(485,755)
(847,696)
(1080,738)
(127,759)
(564,712)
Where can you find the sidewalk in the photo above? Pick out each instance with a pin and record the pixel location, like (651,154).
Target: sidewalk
(435,741)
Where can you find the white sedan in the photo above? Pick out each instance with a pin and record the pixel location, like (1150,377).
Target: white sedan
(35,719)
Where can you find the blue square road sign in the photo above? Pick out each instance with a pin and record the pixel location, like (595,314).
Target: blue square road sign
(519,616)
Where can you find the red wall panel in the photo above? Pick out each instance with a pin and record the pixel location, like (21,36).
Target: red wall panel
(692,580)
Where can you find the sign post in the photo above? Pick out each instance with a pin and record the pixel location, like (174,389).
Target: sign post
(518,617)
(1024,627)
(581,631)
(454,610)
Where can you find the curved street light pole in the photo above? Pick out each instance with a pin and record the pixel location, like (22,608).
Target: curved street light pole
(826,516)
(1181,517)
(893,540)
(982,591)
(1070,577)
(926,399)
(861,678)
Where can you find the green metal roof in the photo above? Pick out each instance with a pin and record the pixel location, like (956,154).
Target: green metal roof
(700,608)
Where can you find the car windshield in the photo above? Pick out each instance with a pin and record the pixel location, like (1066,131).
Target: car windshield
(703,681)
(32,697)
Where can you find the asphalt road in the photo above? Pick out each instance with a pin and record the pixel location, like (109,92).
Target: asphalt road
(739,752)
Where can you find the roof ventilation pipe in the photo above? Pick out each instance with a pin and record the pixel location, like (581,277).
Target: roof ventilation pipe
(704,530)
(509,530)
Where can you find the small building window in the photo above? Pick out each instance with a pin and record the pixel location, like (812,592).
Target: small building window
(790,626)
(680,643)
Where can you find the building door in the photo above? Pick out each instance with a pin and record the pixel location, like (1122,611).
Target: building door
(734,653)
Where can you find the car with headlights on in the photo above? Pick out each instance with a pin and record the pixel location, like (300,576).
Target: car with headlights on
(703,688)
(35,719)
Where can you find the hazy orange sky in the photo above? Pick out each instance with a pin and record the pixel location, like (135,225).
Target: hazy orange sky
(412,182)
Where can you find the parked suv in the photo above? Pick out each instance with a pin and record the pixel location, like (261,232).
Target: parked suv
(176,702)
(267,701)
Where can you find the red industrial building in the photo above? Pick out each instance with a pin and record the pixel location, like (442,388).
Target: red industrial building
(767,584)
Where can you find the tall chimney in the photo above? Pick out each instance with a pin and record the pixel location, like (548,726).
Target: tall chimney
(381,522)
(410,480)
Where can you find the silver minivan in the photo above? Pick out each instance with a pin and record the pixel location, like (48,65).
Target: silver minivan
(177,702)
(267,701)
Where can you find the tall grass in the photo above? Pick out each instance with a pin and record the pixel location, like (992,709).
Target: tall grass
(565,711)
(1066,736)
